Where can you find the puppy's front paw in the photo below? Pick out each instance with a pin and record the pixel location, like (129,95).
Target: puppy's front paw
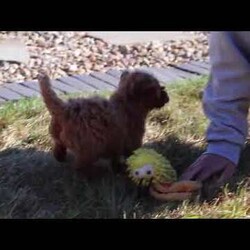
(91,173)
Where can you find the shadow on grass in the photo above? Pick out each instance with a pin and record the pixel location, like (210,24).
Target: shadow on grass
(34,185)
(180,154)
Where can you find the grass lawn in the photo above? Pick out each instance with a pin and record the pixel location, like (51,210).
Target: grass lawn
(34,185)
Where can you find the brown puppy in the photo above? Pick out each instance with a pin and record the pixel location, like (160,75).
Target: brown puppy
(94,128)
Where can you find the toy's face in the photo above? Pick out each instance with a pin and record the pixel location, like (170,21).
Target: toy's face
(145,172)
(146,166)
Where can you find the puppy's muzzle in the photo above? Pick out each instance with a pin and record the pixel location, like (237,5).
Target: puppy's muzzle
(163,99)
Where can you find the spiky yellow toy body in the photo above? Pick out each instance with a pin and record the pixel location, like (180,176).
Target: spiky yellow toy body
(146,166)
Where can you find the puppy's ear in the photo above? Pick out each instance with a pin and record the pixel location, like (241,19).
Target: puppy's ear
(124,74)
(123,79)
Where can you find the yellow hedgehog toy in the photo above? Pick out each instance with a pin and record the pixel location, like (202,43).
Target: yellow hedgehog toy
(146,167)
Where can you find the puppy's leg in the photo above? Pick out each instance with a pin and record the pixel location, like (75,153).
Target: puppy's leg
(132,146)
(117,158)
(129,151)
(59,151)
(85,166)
(118,164)
(81,162)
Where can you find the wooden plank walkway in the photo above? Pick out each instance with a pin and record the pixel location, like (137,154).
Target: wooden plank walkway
(98,81)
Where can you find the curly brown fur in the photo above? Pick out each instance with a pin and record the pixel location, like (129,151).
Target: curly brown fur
(93,128)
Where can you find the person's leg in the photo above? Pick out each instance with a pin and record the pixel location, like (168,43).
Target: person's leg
(227,95)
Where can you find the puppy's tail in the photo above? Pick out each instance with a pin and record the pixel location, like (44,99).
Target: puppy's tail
(54,104)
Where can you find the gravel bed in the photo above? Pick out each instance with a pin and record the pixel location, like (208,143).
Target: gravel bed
(70,53)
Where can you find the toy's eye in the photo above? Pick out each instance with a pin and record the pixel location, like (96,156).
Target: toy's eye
(149,172)
(136,173)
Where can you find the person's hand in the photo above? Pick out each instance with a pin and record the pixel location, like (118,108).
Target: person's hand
(210,168)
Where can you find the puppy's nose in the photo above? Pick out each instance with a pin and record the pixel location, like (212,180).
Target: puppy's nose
(165,96)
